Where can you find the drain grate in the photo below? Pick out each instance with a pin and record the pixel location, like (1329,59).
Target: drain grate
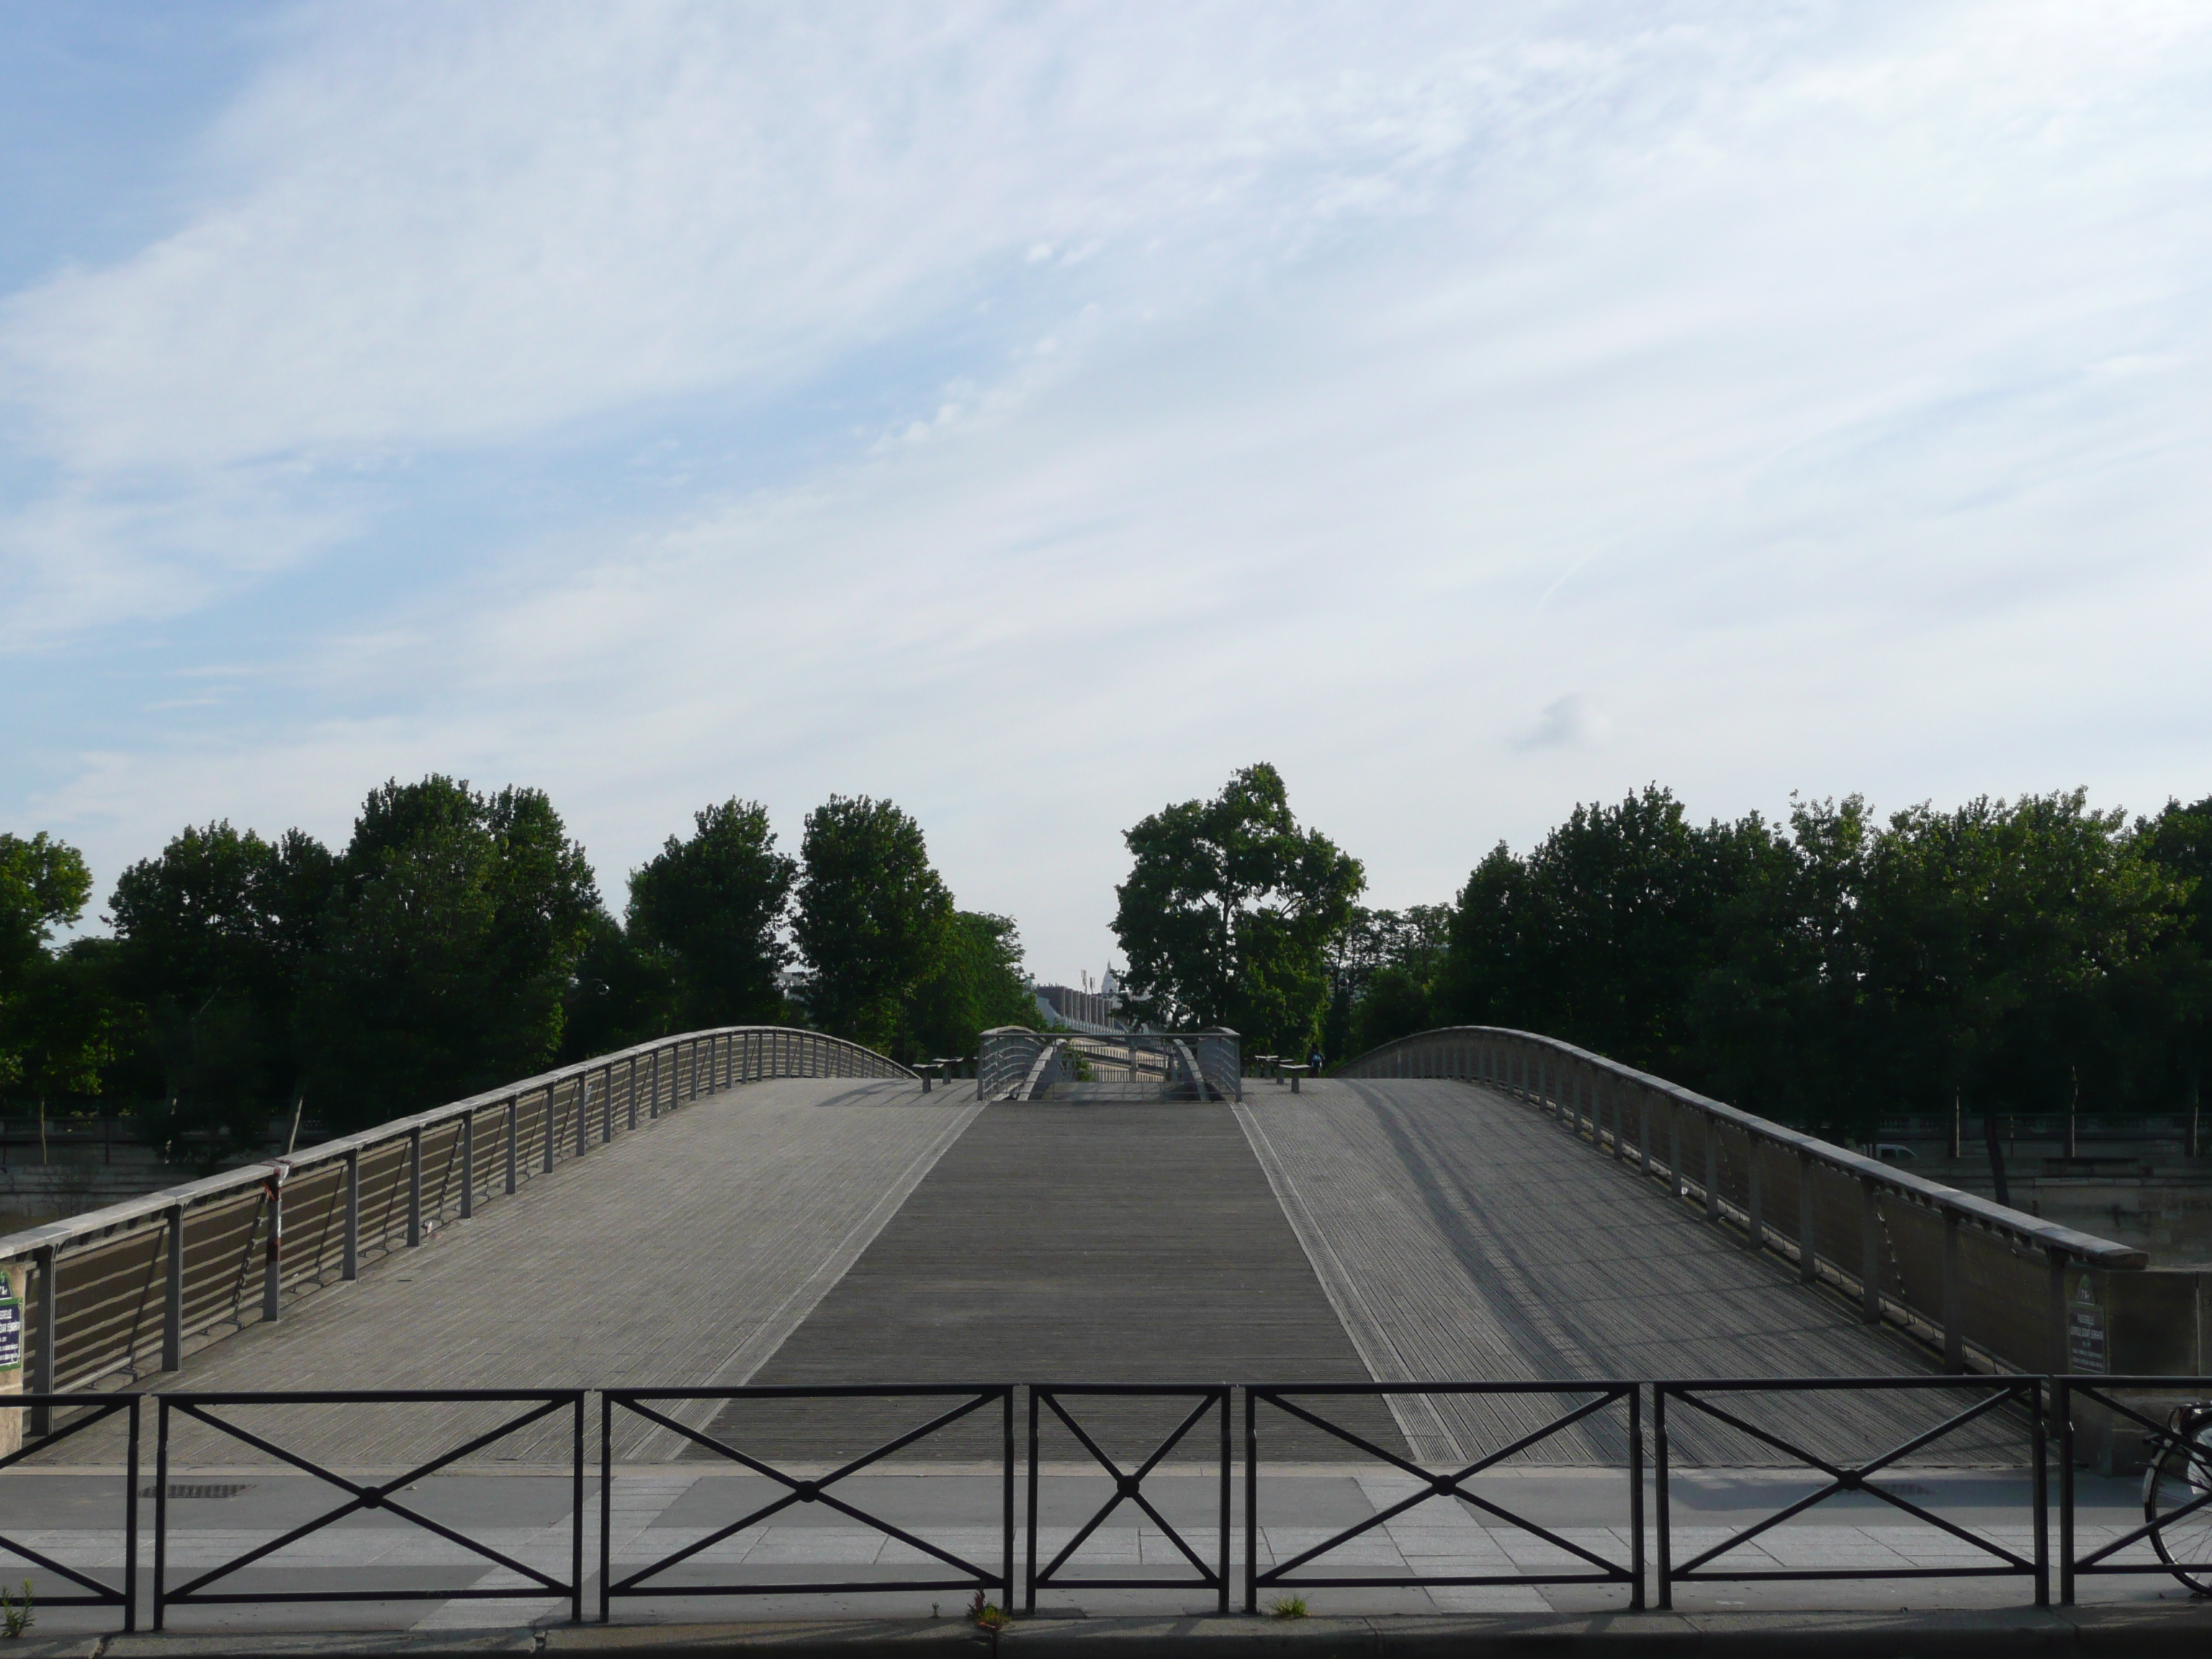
(218,1490)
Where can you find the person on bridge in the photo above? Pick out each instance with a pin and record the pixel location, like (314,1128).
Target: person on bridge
(1313,1063)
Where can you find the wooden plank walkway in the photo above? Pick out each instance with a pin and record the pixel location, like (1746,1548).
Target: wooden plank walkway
(683,1252)
(1462,1235)
(1105,1243)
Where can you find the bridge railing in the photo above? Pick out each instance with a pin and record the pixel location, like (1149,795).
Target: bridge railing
(117,1292)
(1967,1273)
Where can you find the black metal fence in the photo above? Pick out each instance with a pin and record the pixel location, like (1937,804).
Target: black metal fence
(378,1496)
(2177,1486)
(1596,1570)
(802,1489)
(96,1408)
(1129,1486)
(2175,1537)
(1989,1559)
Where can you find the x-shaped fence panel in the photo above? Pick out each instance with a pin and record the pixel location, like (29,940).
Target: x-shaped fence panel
(97,1408)
(1451,1485)
(798,1489)
(1129,1485)
(364,1495)
(2177,1486)
(1998,1392)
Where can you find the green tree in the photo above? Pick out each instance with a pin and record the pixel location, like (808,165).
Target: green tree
(213,938)
(44,884)
(621,994)
(713,906)
(976,984)
(458,922)
(1383,970)
(1229,912)
(871,921)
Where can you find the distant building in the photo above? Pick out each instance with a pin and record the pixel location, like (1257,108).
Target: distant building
(1095,1011)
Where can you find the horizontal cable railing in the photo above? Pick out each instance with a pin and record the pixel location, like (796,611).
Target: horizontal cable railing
(1968,1273)
(117,1292)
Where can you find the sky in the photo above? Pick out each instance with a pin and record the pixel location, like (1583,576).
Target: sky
(1032,413)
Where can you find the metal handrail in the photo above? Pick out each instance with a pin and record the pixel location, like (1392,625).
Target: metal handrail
(2084,1248)
(652,1077)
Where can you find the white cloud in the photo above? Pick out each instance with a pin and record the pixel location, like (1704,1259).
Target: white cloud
(1815,392)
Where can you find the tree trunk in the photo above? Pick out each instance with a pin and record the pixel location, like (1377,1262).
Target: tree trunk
(1997,1158)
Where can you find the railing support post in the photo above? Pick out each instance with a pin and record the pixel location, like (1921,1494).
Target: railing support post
(655,1085)
(1870,1253)
(552,1122)
(468,1163)
(272,1272)
(1808,1265)
(607,1106)
(349,1246)
(172,1296)
(631,1088)
(1754,1239)
(414,1188)
(513,1134)
(1681,1187)
(1712,1170)
(44,1368)
(1954,1335)
(2055,1316)
(583,1113)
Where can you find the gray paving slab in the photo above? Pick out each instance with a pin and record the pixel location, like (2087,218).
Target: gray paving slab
(1103,1242)
(1463,1235)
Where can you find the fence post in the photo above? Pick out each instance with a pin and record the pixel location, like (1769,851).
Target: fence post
(514,1128)
(630,1079)
(350,1246)
(607,1106)
(1712,1170)
(583,1113)
(414,1188)
(468,1163)
(1809,1266)
(1954,1335)
(1755,1227)
(552,1123)
(43,1367)
(172,1298)
(272,1272)
(2055,1314)
(1869,1254)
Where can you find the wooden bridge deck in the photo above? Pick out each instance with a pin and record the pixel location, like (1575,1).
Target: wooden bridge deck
(832,1232)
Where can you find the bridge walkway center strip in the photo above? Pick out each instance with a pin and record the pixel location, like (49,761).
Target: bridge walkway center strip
(1107,1242)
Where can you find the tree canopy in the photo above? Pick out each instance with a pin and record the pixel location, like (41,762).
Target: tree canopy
(1228,912)
(872,919)
(713,907)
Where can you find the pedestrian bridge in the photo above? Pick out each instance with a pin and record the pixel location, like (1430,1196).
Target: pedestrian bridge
(772,1206)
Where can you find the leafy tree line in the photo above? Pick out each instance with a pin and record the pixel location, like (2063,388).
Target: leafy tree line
(459,940)
(2004,956)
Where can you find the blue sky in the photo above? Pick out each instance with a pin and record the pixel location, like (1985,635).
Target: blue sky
(1032,413)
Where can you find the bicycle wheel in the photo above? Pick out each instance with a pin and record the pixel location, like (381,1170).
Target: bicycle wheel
(2183,1476)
